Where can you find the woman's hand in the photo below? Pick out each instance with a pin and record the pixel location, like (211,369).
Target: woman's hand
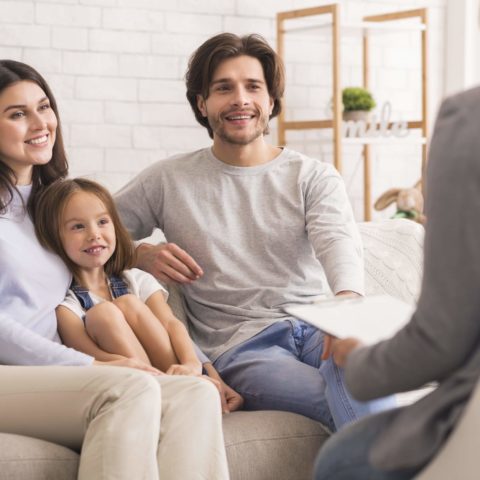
(130,363)
(339,349)
(194,369)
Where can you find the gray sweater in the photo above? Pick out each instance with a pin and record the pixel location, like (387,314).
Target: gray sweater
(442,341)
(265,236)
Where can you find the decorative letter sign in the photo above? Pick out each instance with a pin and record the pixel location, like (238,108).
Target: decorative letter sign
(372,128)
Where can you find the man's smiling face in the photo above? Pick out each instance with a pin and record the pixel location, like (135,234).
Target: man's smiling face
(238,106)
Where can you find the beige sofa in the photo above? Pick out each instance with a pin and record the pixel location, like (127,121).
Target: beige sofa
(260,445)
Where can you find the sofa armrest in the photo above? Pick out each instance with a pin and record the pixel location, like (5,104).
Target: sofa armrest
(458,457)
(393,252)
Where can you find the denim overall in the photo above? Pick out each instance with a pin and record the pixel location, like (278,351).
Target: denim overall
(118,287)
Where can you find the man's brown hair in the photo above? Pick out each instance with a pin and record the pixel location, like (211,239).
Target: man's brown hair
(215,50)
(48,214)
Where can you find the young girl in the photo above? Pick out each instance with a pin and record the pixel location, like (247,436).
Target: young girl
(111,310)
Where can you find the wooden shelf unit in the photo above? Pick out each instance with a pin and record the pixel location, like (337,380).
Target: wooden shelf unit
(372,23)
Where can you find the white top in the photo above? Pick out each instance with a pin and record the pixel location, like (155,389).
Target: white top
(139,283)
(266,237)
(32,283)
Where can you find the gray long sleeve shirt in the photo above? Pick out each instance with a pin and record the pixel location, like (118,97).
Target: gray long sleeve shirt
(265,236)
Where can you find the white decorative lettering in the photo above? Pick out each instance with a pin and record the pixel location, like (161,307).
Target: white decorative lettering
(374,128)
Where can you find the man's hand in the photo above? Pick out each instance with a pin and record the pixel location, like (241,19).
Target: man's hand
(168,262)
(340,349)
(231,400)
(347,293)
(334,346)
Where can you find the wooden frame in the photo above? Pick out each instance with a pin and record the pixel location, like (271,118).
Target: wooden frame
(336,123)
(421,13)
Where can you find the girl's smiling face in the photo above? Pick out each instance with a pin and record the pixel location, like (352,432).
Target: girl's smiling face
(27,128)
(87,231)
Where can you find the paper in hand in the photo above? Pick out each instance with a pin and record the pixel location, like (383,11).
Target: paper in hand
(369,319)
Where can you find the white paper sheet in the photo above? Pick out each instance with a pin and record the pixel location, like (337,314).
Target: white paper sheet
(370,319)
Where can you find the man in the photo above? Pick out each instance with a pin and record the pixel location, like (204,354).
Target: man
(441,342)
(253,228)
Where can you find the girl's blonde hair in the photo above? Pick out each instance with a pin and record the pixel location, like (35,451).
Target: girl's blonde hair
(48,213)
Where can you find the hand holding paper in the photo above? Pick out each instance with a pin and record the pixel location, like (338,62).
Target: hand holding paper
(340,349)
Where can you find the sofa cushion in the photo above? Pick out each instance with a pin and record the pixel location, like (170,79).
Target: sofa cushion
(25,458)
(289,441)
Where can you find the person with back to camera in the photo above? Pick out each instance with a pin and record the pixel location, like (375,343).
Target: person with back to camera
(252,228)
(441,342)
(112,414)
(111,311)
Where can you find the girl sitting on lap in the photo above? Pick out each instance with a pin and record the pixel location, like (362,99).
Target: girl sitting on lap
(111,310)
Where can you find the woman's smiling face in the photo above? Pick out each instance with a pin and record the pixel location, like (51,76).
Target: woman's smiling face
(27,128)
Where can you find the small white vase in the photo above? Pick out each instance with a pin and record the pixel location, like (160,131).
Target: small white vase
(356,115)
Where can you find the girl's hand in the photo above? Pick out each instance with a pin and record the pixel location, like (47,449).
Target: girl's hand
(194,369)
(130,363)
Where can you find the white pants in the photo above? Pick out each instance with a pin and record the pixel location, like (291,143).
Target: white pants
(116,416)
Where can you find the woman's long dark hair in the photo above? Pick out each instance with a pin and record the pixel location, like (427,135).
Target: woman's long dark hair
(12,72)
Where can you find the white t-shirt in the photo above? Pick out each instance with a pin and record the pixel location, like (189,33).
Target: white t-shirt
(139,283)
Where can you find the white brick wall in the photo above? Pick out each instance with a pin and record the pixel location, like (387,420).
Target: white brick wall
(117,68)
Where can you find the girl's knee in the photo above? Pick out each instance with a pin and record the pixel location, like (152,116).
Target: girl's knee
(103,309)
(128,300)
(103,315)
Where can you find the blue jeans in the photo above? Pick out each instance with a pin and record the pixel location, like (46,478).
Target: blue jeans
(345,455)
(281,369)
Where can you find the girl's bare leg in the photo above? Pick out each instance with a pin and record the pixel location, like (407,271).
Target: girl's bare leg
(149,331)
(108,328)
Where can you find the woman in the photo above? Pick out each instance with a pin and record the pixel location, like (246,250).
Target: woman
(441,342)
(112,414)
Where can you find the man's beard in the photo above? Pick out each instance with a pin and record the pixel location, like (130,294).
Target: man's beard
(218,127)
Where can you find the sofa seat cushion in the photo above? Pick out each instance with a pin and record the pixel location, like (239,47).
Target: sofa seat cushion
(25,458)
(271,444)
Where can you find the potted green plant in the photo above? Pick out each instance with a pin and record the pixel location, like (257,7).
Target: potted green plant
(357,103)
